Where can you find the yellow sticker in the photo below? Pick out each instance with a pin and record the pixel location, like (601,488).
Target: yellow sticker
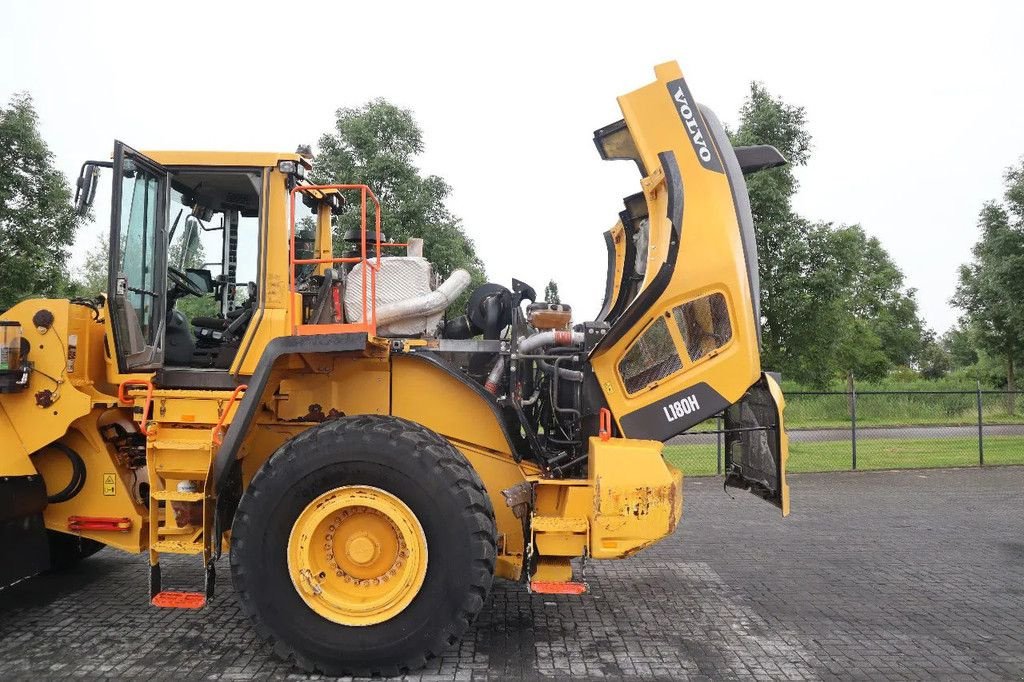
(108,484)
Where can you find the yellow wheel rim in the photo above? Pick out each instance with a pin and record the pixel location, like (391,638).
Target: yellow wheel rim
(357,555)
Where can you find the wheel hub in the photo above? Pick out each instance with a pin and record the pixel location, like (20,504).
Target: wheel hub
(357,555)
(362,549)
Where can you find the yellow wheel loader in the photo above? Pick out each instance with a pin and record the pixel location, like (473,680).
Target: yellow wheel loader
(369,458)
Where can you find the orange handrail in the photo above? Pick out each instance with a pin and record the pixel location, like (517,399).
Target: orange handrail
(605,428)
(218,430)
(129,400)
(369,318)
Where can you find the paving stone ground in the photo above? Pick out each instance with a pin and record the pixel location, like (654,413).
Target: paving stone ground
(880,575)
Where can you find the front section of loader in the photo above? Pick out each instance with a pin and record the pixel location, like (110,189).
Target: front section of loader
(369,459)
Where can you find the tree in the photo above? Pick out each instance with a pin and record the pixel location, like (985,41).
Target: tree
(551,292)
(990,291)
(376,144)
(934,361)
(37,221)
(959,343)
(92,279)
(832,299)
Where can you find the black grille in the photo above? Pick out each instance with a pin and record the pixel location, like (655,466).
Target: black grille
(704,324)
(652,357)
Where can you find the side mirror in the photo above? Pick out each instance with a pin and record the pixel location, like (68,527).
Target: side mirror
(203,279)
(85,189)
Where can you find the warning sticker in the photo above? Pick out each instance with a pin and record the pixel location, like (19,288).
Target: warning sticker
(108,484)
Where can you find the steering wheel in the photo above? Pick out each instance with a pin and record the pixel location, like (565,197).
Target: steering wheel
(180,280)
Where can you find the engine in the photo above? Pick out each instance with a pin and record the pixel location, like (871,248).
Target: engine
(522,353)
(528,356)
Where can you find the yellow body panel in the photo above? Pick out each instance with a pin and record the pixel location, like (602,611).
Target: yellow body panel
(211,158)
(638,497)
(48,355)
(780,402)
(710,257)
(109,489)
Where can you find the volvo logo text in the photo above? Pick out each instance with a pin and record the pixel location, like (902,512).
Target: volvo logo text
(695,125)
(692,127)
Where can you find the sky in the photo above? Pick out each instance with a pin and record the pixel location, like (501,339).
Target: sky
(915,110)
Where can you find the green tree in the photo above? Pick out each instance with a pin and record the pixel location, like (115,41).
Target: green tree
(37,221)
(551,292)
(832,299)
(934,360)
(377,144)
(959,343)
(990,291)
(92,278)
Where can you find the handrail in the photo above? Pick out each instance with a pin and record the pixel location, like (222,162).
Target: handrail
(218,430)
(130,400)
(369,317)
(605,428)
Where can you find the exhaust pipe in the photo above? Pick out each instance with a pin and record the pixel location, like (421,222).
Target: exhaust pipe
(428,304)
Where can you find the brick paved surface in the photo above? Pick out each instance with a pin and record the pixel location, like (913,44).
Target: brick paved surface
(885,575)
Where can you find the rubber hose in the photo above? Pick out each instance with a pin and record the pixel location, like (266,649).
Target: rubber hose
(77,481)
(564,372)
(492,330)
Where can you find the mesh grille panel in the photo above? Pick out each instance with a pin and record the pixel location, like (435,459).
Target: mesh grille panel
(704,324)
(652,357)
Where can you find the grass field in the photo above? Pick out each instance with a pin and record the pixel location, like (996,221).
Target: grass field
(912,453)
(901,409)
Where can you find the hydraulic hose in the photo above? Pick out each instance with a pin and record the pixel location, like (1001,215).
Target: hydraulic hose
(77,481)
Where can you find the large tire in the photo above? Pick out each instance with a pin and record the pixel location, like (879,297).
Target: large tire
(407,461)
(67,550)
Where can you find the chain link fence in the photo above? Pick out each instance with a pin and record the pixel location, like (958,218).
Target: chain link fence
(857,430)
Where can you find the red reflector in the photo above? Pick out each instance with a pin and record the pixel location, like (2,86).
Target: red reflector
(179,600)
(544,587)
(77,523)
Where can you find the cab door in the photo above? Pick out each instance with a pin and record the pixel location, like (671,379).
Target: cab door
(137,286)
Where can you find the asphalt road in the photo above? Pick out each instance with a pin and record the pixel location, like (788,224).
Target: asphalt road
(873,432)
(880,575)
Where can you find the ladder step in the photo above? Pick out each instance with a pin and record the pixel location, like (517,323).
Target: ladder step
(181,444)
(550,587)
(175,496)
(171,470)
(177,547)
(179,600)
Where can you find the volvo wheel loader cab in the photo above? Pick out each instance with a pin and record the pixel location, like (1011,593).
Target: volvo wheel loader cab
(370,458)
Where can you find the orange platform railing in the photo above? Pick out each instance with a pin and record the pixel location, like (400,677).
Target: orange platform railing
(368,321)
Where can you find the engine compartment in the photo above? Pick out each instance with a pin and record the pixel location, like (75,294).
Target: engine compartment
(524,355)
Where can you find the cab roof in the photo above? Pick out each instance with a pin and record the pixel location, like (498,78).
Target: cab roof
(243,159)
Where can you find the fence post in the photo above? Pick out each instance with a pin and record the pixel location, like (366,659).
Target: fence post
(981,440)
(718,438)
(852,388)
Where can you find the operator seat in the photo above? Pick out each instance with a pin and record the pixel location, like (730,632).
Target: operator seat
(217,338)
